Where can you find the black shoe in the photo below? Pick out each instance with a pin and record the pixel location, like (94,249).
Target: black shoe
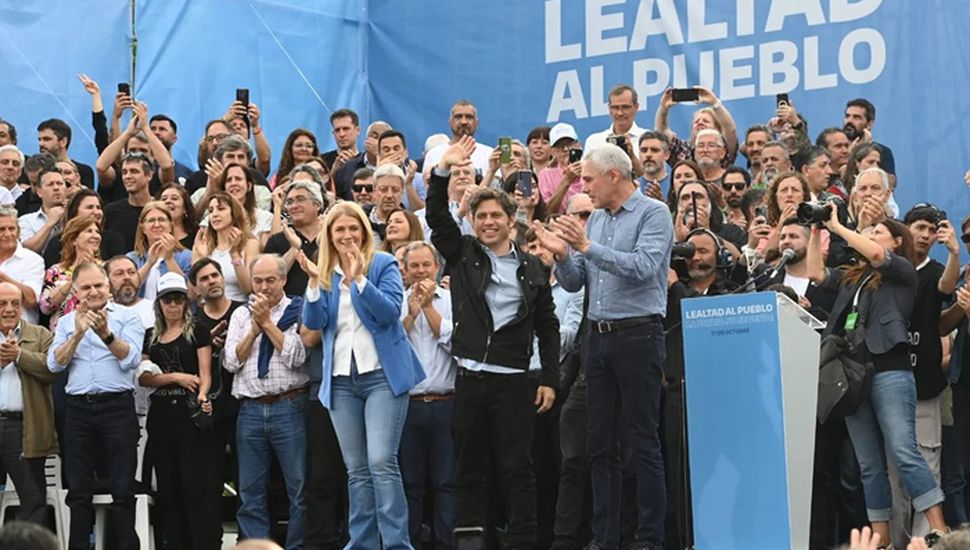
(934,537)
(593,545)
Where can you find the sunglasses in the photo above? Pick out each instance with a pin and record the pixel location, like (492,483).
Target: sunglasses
(734,186)
(361,188)
(173,299)
(583,214)
(965,238)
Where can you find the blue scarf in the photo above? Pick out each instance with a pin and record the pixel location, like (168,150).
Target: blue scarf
(290,315)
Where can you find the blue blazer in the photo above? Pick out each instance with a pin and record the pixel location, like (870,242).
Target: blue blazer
(379,309)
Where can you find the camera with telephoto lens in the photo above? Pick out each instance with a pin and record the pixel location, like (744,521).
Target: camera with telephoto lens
(679,255)
(818,212)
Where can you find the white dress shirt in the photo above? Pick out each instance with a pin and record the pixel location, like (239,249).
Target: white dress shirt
(352,337)
(479,157)
(599,138)
(31,224)
(433,352)
(11,391)
(27,267)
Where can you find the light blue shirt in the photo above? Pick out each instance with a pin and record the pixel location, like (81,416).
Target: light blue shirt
(11,391)
(504,297)
(433,352)
(569,311)
(627,260)
(94,369)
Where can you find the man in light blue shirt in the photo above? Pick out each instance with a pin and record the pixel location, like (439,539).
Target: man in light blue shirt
(426,443)
(99,344)
(622,256)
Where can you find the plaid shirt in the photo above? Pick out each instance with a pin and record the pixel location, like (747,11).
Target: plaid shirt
(681,150)
(287,368)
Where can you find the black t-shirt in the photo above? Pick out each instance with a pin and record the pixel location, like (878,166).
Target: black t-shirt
(112,244)
(329,157)
(28,202)
(179,355)
(225,405)
(116,191)
(122,217)
(296,279)
(926,350)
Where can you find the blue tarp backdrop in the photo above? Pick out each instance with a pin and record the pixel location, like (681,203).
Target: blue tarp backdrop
(523,63)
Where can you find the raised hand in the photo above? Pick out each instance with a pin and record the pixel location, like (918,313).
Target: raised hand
(458,152)
(90,86)
(307,265)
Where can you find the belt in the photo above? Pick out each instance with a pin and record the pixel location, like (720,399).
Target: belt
(285,396)
(432,397)
(11,415)
(98,397)
(465,373)
(606,327)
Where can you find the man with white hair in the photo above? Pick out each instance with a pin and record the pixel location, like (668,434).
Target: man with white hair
(11,166)
(868,202)
(18,265)
(304,203)
(388,190)
(622,257)
(709,151)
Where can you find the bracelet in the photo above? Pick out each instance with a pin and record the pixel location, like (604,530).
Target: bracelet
(109,339)
(257,131)
(717,105)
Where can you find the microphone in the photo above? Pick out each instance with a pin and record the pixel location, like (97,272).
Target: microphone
(786,256)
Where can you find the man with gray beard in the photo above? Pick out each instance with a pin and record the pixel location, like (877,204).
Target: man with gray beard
(709,151)
(125,282)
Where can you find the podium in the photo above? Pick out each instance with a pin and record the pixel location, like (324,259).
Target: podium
(751,368)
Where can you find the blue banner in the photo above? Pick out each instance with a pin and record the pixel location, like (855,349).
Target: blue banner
(43,48)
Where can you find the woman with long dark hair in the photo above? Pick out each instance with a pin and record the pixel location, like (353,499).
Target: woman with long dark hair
(227,240)
(877,294)
(300,147)
(240,183)
(402,228)
(180,353)
(185,224)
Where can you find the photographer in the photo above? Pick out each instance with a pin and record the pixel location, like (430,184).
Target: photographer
(701,274)
(882,288)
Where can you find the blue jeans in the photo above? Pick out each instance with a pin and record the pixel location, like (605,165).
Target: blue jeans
(369,419)
(281,428)
(887,420)
(428,451)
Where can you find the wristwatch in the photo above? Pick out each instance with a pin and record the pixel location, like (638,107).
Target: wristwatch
(109,339)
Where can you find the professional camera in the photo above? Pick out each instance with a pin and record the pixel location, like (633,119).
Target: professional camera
(679,255)
(817,212)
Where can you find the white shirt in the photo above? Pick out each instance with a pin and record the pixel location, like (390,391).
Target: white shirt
(145,309)
(479,157)
(233,291)
(31,224)
(10,196)
(27,267)
(599,138)
(352,337)
(11,390)
(463,223)
(434,353)
(798,284)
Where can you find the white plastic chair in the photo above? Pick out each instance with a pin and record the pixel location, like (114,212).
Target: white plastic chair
(143,526)
(56,495)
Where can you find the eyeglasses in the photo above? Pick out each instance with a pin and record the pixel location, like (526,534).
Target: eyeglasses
(153,221)
(734,186)
(362,188)
(583,214)
(178,299)
(297,199)
(707,146)
(303,146)
(215,138)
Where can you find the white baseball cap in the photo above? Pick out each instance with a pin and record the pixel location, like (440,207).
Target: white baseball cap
(560,131)
(171,282)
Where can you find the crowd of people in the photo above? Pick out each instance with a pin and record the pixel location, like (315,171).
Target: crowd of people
(471,346)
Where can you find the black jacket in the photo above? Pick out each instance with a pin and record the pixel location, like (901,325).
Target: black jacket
(470,270)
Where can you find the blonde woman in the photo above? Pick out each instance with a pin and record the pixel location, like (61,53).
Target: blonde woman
(355,297)
(157,250)
(227,241)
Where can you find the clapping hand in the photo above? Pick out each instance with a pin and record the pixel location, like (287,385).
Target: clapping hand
(9,349)
(571,230)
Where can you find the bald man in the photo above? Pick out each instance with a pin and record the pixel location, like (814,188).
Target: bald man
(26,408)
(258,544)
